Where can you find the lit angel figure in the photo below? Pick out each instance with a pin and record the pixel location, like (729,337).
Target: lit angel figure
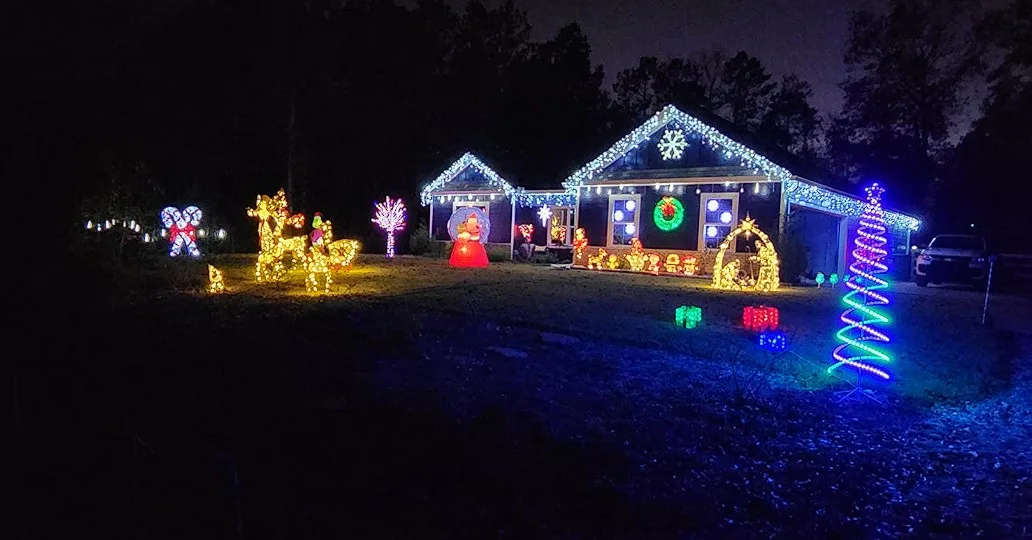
(390,216)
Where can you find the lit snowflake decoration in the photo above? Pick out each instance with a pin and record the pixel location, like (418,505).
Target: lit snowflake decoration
(672,144)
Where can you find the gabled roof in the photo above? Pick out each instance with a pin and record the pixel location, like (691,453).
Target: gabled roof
(731,148)
(467,160)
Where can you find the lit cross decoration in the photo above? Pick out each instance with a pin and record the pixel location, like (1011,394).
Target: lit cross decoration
(672,145)
(390,216)
(544,214)
(181,232)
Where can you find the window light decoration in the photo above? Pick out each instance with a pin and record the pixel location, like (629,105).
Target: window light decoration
(216,284)
(690,265)
(713,205)
(861,342)
(672,145)
(544,214)
(668,214)
(672,264)
(636,257)
(730,149)
(390,216)
(688,316)
(467,225)
(182,229)
(580,246)
(773,340)
(760,318)
(467,160)
(526,230)
(822,198)
(730,276)
(558,230)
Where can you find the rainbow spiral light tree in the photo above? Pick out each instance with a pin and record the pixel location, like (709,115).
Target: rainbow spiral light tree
(390,216)
(861,344)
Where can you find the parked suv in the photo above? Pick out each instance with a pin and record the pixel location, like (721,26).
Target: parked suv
(955,258)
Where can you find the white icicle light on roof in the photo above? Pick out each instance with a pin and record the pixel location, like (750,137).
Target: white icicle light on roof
(467,160)
(817,197)
(670,114)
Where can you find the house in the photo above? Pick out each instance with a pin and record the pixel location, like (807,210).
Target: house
(680,186)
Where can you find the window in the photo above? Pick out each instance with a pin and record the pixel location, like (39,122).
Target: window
(562,216)
(624,211)
(483,205)
(719,213)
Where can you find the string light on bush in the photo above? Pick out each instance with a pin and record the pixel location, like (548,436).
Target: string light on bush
(861,343)
(526,230)
(390,216)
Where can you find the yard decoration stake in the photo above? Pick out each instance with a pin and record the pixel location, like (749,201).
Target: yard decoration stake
(216,284)
(181,229)
(580,245)
(688,316)
(467,225)
(730,276)
(673,263)
(861,344)
(760,318)
(773,340)
(390,216)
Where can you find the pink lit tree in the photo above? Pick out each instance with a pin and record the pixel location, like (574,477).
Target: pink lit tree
(390,216)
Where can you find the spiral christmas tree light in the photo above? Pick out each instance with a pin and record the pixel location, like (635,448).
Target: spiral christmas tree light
(861,344)
(390,216)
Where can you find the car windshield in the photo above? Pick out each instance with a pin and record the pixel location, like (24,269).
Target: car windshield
(958,242)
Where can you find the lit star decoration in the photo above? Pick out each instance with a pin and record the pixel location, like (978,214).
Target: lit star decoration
(821,198)
(390,216)
(672,145)
(181,226)
(688,316)
(730,148)
(668,214)
(216,284)
(544,214)
(729,276)
(860,341)
(467,160)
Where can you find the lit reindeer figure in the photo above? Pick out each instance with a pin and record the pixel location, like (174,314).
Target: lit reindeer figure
(273,215)
(326,255)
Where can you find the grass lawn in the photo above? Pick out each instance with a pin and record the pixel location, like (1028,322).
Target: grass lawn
(418,400)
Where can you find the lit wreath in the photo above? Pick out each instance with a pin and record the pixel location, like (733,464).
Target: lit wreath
(668,214)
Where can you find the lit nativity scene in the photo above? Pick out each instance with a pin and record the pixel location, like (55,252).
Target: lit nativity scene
(675,196)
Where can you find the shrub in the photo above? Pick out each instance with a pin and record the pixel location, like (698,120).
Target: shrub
(545,258)
(419,239)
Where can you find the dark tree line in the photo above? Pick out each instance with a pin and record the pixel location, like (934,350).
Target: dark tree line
(213,101)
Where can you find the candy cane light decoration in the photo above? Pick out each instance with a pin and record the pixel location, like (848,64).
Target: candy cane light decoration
(181,229)
(390,216)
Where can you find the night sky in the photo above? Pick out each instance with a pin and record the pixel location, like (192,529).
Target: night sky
(806,37)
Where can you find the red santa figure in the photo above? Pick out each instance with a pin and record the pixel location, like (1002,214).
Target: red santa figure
(468,252)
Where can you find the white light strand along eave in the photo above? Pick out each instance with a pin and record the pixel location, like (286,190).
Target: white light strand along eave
(467,160)
(709,134)
(820,198)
